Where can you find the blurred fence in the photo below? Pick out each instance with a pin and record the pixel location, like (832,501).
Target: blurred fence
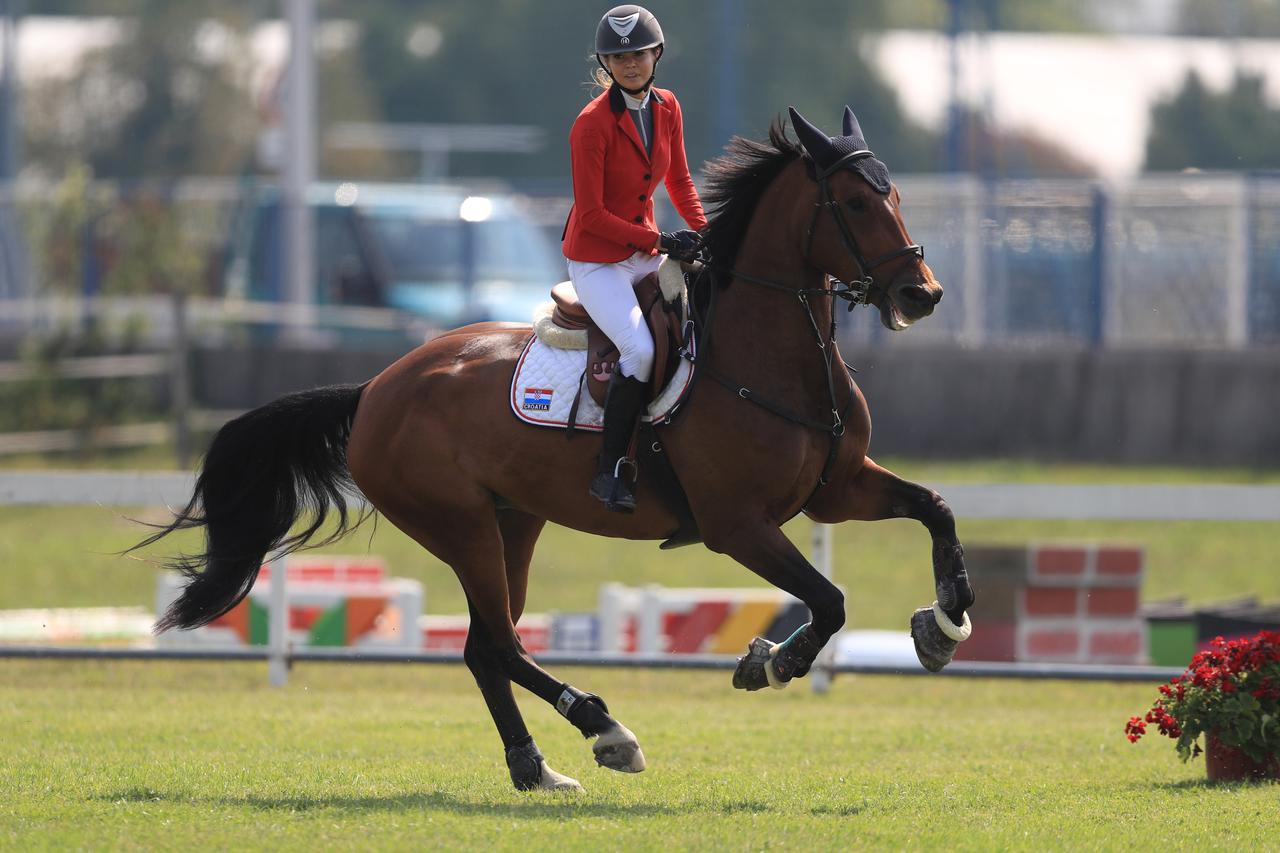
(1188,260)
(172,364)
(1165,261)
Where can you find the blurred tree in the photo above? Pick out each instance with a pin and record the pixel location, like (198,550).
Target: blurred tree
(146,248)
(175,95)
(168,98)
(1197,128)
(58,232)
(521,62)
(1011,15)
(998,152)
(1234,18)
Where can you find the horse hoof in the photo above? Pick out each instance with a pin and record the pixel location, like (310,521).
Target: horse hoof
(934,648)
(553,781)
(529,771)
(754,668)
(618,749)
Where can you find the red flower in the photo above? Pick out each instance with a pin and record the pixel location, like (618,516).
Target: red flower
(1135,729)
(1202,698)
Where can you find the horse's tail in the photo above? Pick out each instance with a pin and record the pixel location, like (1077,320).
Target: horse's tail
(263,471)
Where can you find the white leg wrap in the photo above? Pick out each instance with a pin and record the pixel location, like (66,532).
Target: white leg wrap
(959,633)
(774,682)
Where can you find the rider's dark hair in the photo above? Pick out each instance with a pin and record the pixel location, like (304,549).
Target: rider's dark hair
(733,184)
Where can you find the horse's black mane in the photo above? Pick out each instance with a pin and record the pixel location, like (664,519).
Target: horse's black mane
(734,183)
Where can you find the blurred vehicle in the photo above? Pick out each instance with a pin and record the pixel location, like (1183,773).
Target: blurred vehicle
(441,253)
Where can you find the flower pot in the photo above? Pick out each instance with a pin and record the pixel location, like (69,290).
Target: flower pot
(1228,764)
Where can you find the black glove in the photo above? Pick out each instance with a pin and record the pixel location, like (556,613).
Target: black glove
(681,245)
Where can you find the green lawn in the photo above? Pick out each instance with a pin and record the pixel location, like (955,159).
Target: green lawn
(66,556)
(202,755)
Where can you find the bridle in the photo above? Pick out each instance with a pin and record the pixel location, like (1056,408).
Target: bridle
(856,293)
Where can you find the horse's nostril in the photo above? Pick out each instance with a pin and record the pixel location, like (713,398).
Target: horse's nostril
(937,296)
(916,293)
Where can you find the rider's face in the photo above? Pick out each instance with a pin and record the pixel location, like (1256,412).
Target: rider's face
(632,69)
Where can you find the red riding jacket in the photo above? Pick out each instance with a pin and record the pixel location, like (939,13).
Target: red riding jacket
(614,179)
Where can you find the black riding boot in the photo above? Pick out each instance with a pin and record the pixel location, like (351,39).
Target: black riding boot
(622,407)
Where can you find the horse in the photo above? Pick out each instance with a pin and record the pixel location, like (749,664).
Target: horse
(774,427)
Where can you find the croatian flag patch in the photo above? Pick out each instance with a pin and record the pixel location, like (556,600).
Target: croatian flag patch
(537,399)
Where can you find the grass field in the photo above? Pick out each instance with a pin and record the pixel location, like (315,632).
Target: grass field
(200,755)
(115,755)
(66,556)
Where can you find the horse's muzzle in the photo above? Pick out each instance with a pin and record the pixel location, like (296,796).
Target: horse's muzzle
(910,299)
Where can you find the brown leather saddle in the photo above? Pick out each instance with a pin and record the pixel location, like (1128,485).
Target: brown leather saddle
(662,317)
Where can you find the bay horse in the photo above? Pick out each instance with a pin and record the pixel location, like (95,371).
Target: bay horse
(775,427)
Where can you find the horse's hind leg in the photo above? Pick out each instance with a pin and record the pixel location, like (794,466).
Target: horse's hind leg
(528,768)
(875,493)
(471,543)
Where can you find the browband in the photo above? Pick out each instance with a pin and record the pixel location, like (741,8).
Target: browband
(843,161)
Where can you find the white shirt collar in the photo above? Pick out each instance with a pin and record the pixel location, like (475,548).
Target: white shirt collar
(636,103)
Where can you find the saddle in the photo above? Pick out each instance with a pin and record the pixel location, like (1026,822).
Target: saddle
(663,316)
(565,325)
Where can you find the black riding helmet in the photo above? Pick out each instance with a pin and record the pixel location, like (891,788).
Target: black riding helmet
(624,29)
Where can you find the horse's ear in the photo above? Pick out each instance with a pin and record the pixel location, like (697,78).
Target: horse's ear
(851,126)
(814,141)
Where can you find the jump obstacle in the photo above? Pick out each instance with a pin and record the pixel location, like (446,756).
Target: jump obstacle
(1054,603)
(332,601)
(1037,604)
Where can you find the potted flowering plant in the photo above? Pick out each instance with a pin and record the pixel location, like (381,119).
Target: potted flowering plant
(1231,694)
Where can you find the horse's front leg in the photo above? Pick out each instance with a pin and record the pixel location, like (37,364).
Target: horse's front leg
(873,494)
(765,550)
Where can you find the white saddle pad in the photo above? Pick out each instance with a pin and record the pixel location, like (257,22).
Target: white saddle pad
(546,381)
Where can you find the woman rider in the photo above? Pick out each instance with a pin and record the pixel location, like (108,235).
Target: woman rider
(622,145)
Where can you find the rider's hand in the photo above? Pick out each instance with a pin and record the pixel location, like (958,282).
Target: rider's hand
(681,245)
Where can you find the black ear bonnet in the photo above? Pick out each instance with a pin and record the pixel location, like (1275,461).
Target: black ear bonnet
(825,151)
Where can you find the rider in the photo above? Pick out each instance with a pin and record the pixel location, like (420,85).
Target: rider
(622,145)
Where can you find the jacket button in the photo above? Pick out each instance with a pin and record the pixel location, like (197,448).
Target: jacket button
(639,219)
(643,197)
(648,177)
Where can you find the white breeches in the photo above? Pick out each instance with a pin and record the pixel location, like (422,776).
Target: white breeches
(605,290)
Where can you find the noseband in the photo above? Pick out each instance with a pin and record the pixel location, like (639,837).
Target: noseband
(857,291)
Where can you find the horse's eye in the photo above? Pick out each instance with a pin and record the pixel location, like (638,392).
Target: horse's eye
(855,204)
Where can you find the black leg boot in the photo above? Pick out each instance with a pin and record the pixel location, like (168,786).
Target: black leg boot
(622,408)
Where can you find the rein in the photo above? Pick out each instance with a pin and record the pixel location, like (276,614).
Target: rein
(827,346)
(855,293)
